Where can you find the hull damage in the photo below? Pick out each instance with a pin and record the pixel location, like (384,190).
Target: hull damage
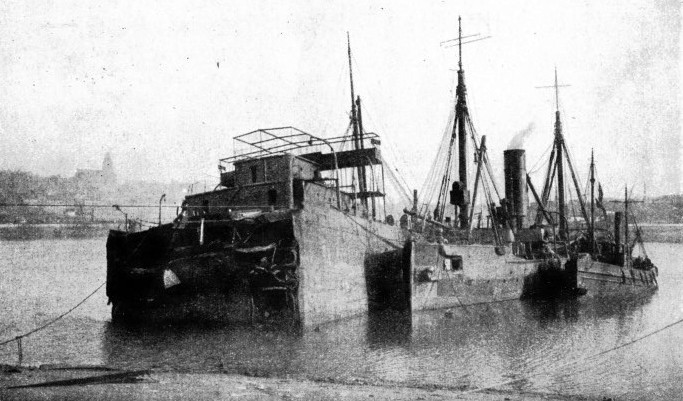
(304,258)
(295,270)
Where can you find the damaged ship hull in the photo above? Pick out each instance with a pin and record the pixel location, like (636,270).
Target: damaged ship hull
(316,262)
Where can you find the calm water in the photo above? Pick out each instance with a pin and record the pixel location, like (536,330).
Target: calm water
(548,346)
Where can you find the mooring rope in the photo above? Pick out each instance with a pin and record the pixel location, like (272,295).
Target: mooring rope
(19,337)
(575,361)
(387,241)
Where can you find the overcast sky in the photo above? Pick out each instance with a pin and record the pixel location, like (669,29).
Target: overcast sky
(165,86)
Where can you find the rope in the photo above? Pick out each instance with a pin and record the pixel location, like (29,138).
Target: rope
(146,222)
(393,153)
(397,185)
(542,159)
(369,232)
(430,186)
(19,337)
(135,206)
(576,361)
(149,224)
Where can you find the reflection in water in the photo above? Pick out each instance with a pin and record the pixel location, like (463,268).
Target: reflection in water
(550,310)
(389,328)
(202,347)
(543,346)
(462,347)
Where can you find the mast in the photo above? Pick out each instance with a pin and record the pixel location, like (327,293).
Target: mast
(459,194)
(560,167)
(353,95)
(357,135)
(576,185)
(361,169)
(460,115)
(591,233)
(480,163)
(556,167)
(547,187)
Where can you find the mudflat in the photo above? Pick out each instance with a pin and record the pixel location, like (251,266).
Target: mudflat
(99,383)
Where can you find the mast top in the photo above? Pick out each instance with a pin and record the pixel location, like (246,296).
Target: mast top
(557,87)
(557,93)
(348,46)
(459,43)
(476,37)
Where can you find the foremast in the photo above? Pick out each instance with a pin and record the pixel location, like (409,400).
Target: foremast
(460,194)
(556,170)
(461,115)
(559,148)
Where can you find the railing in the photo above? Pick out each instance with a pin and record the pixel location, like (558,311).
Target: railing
(275,141)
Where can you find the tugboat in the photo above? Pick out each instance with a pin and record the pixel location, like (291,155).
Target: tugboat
(289,234)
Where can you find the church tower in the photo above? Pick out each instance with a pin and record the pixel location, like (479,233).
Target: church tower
(108,173)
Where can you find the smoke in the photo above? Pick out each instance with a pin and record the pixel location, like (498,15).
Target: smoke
(517,141)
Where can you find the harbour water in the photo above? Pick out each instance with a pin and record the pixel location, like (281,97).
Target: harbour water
(523,346)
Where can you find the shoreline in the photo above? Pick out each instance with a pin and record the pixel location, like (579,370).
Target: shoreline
(30,232)
(664,233)
(668,233)
(101,382)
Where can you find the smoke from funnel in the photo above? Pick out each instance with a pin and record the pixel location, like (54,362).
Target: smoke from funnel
(517,141)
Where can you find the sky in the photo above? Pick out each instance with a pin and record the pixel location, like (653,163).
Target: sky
(165,85)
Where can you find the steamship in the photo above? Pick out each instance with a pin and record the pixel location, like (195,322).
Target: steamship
(605,266)
(290,234)
(451,261)
(599,264)
(297,230)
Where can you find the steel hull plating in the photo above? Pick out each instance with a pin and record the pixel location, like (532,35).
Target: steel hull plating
(467,275)
(334,254)
(602,279)
(338,252)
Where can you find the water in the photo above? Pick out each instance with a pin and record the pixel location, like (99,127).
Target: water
(518,345)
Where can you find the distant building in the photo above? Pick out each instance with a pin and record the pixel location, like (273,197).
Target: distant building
(98,179)
(92,184)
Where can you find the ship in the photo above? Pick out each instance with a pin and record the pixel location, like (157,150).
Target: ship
(297,230)
(451,261)
(605,266)
(290,234)
(595,262)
